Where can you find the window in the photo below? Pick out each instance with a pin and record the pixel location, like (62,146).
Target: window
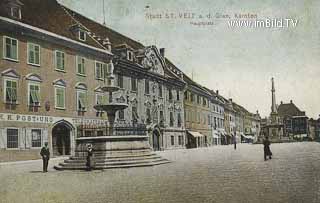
(204,101)
(33,54)
(99,70)
(16,12)
(36,137)
(160,90)
(34,94)
(10,48)
(172,140)
(209,119)
(59,60)
(81,65)
(148,113)
(99,132)
(134,86)
(11,91)
(180,141)
(60,97)
(146,87)
(82,35)
(178,95)
(161,116)
(120,80)
(12,138)
(198,99)
(130,56)
(192,97)
(121,114)
(170,94)
(81,100)
(186,95)
(171,119)
(179,120)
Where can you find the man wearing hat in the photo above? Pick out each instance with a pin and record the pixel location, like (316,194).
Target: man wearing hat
(45,153)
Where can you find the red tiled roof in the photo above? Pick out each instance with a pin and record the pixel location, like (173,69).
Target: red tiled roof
(289,109)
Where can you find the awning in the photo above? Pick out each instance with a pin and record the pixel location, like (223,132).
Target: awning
(195,134)
(248,137)
(215,134)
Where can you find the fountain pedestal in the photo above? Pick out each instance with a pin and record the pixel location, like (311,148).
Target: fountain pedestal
(112,150)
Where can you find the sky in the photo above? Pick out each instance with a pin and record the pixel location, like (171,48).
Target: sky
(238,61)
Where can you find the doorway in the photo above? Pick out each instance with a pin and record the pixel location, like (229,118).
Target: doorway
(61,139)
(156,140)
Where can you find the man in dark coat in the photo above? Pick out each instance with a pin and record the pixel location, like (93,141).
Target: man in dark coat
(266,148)
(45,153)
(89,163)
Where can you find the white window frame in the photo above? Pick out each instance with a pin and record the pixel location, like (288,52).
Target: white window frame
(41,138)
(130,53)
(84,66)
(55,61)
(36,84)
(5,50)
(102,70)
(77,99)
(79,35)
(11,12)
(5,89)
(6,130)
(28,62)
(55,97)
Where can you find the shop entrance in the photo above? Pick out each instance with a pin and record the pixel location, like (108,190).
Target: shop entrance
(61,139)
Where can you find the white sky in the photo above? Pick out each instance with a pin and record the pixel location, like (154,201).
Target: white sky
(239,62)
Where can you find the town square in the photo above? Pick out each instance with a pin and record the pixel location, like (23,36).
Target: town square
(115,101)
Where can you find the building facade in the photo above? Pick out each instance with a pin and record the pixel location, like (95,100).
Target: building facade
(217,118)
(197,114)
(52,71)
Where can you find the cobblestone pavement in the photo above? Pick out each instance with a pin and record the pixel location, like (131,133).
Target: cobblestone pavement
(215,174)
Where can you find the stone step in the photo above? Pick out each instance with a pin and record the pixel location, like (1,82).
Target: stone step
(115,155)
(120,162)
(71,167)
(118,151)
(111,159)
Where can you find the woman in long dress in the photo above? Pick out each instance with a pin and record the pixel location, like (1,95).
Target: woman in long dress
(89,163)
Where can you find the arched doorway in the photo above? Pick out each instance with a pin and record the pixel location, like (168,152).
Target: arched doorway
(61,142)
(156,139)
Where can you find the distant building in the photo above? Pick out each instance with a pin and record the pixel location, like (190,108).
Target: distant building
(314,129)
(216,119)
(295,121)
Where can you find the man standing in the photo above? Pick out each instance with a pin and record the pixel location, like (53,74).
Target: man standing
(266,148)
(45,153)
(235,142)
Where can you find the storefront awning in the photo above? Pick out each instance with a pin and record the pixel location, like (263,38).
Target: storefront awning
(215,134)
(247,136)
(195,134)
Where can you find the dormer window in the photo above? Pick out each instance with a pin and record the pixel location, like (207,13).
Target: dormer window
(82,35)
(16,12)
(130,56)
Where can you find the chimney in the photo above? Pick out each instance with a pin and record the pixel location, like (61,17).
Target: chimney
(217,91)
(162,50)
(290,101)
(281,102)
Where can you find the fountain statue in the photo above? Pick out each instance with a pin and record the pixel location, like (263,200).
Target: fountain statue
(114,150)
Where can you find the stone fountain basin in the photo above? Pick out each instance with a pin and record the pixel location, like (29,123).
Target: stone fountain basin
(113,143)
(112,107)
(110,88)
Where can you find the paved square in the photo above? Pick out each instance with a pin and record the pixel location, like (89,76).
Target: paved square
(215,174)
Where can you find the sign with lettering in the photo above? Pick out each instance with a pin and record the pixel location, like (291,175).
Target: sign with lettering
(26,118)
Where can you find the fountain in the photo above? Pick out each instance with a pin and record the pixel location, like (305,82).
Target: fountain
(113,150)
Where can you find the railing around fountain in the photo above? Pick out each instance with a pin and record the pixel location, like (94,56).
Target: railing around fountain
(118,130)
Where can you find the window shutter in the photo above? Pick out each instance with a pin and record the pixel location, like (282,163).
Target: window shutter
(21,138)
(28,138)
(3,138)
(44,136)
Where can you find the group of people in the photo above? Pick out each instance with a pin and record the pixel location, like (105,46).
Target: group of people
(45,154)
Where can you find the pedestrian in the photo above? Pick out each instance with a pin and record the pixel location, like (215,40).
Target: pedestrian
(235,142)
(89,163)
(266,148)
(45,153)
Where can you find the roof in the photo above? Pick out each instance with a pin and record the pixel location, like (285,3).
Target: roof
(289,109)
(39,13)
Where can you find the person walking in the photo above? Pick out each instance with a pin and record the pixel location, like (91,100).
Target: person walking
(89,163)
(266,148)
(235,142)
(45,153)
